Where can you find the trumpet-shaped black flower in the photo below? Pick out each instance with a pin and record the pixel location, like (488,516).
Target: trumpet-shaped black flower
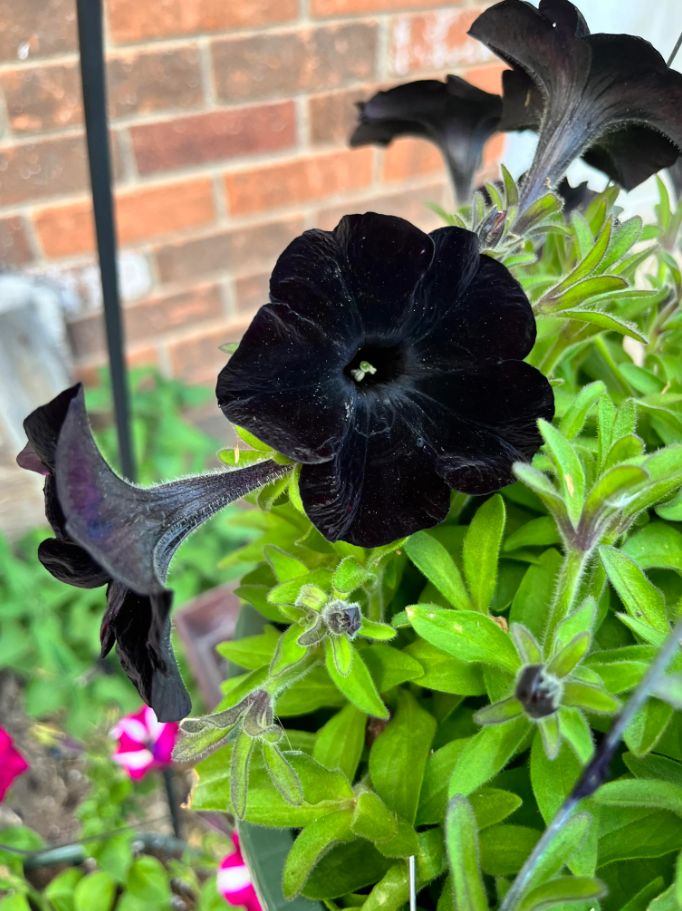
(609,98)
(388,363)
(109,532)
(454,114)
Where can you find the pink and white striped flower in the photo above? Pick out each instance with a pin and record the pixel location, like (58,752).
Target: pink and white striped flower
(234,880)
(144,742)
(12,763)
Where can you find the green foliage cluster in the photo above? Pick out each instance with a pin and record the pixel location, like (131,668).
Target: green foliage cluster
(113,867)
(438,698)
(49,633)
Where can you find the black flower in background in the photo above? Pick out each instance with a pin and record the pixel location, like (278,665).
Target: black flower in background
(389,363)
(454,114)
(609,98)
(109,532)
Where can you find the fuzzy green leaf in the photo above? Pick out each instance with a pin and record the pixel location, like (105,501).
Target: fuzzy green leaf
(397,759)
(339,742)
(314,841)
(485,754)
(436,564)
(563,890)
(641,599)
(357,686)
(481,550)
(282,773)
(461,838)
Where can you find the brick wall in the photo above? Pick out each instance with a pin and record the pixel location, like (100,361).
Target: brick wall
(229,121)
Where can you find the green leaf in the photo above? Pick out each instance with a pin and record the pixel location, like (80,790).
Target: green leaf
(590,698)
(613,488)
(481,550)
(664,468)
(251,652)
(492,805)
(584,290)
(485,754)
(540,532)
(576,732)
(433,798)
(574,419)
(567,843)
(641,599)
(350,575)
(656,545)
(535,591)
(505,848)
(436,564)
(397,759)
(641,792)
(315,840)
(289,651)
(568,468)
(59,892)
(242,751)
(392,892)
(284,565)
(372,629)
(603,320)
(443,672)
(281,772)
(358,686)
(461,839)
(630,833)
(563,890)
(342,653)
(648,726)
(541,485)
(339,742)
(468,635)
(148,882)
(373,820)
(390,667)
(570,655)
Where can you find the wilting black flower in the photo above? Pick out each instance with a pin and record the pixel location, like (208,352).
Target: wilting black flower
(538,691)
(454,114)
(609,98)
(388,363)
(108,531)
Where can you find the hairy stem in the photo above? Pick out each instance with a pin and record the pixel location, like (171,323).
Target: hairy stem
(595,772)
(568,586)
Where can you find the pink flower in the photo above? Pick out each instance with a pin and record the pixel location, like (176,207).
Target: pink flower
(144,742)
(12,763)
(234,880)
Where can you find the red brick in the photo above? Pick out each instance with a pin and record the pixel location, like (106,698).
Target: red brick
(49,96)
(409,204)
(39,169)
(194,140)
(361,7)
(132,20)
(88,370)
(435,41)
(49,167)
(149,320)
(140,215)
(152,81)
(198,358)
(36,28)
(15,249)
(240,251)
(286,62)
(302,180)
(333,116)
(408,158)
(251,292)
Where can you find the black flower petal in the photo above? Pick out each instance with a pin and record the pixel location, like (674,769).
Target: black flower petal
(108,531)
(420,389)
(454,114)
(609,97)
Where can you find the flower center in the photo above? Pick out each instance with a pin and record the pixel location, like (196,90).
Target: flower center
(375,364)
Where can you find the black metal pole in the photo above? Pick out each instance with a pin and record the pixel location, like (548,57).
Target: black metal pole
(93,80)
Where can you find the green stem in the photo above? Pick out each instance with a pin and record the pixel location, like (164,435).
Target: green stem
(568,586)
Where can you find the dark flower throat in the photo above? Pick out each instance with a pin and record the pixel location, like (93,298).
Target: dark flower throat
(375,365)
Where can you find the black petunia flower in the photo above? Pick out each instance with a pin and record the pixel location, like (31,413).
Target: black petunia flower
(610,98)
(388,363)
(109,532)
(454,114)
